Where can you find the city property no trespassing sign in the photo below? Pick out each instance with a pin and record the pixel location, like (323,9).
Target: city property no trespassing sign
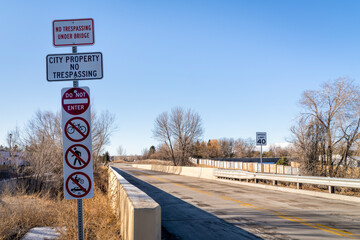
(76,66)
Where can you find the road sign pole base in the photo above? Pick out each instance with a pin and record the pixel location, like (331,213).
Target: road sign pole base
(80,219)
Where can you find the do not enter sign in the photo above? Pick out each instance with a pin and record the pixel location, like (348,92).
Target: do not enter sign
(75,101)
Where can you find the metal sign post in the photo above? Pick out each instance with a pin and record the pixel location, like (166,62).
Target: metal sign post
(79,201)
(80,219)
(76,115)
(261,156)
(260,141)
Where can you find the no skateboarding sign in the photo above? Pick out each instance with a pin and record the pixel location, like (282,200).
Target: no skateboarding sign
(77,148)
(78,185)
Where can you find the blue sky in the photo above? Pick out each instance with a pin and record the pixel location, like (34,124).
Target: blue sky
(242,65)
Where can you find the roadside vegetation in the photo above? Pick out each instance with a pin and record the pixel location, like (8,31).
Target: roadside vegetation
(325,139)
(326,136)
(36,197)
(325,142)
(20,211)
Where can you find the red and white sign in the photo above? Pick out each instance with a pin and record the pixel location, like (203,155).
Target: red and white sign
(77,156)
(73,32)
(78,185)
(77,144)
(75,101)
(77,129)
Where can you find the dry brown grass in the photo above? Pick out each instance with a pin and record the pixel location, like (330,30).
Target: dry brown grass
(155,162)
(20,212)
(99,220)
(120,161)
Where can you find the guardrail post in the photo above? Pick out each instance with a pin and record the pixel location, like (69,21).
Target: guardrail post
(275,182)
(256,180)
(331,189)
(299,185)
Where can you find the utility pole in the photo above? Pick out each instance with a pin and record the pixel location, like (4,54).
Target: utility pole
(10,150)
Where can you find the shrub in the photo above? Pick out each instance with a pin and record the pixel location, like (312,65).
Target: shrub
(283,161)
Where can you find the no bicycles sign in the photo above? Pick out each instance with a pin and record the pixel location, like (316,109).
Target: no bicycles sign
(77,129)
(77,148)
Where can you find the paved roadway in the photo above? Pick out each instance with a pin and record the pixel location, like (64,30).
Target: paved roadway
(194,208)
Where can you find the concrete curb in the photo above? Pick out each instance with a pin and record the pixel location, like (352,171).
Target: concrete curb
(42,233)
(139,215)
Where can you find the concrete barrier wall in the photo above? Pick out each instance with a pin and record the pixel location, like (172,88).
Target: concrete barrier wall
(249,166)
(139,215)
(207,173)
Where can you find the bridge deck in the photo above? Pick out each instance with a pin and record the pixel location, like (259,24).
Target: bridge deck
(194,208)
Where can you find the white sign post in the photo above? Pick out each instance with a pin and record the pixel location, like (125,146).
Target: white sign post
(77,66)
(261,141)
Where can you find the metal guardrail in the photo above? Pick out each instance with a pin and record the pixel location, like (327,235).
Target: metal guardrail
(327,181)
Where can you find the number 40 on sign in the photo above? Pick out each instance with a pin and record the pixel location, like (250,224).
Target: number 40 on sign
(261,139)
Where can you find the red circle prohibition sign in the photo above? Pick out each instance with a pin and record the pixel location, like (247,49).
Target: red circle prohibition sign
(75,101)
(71,128)
(78,184)
(74,152)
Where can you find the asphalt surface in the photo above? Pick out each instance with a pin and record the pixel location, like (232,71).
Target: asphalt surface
(194,208)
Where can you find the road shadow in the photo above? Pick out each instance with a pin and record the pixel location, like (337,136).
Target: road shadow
(181,220)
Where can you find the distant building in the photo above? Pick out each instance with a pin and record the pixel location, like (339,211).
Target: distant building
(17,158)
(264,160)
(353,161)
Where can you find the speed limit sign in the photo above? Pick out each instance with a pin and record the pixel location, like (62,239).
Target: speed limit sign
(261,139)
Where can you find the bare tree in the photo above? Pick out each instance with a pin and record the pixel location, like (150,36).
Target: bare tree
(162,152)
(102,128)
(13,141)
(121,151)
(227,147)
(43,146)
(163,133)
(278,151)
(178,132)
(331,118)
(244,147)
(42,143)
(309,145)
